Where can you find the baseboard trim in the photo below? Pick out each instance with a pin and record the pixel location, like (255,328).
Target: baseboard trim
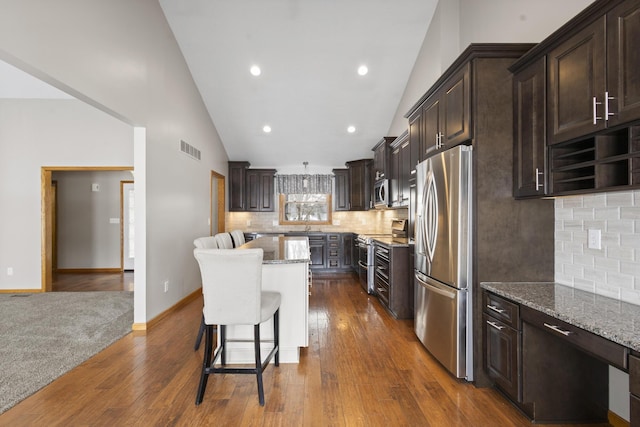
(151,323)
(21,291)
(616,420)
(88,270)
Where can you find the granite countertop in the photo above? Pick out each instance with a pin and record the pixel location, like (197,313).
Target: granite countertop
(615,320)
(281,249)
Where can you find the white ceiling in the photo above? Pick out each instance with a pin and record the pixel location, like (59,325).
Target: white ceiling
(309,91)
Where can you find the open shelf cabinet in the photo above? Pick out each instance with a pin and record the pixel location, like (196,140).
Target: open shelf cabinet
(597,163)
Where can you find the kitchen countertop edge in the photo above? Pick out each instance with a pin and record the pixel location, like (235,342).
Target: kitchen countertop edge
(615,320)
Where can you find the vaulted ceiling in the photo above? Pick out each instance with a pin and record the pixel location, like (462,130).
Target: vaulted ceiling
(309,91)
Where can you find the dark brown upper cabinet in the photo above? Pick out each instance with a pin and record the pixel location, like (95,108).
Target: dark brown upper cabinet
(237,198)
(446,114)
(359,184)
(529,130)
(593,74)
(400,170)
(592,105)
(381,161)
(623,61)
(260,190)
(341,190)
(577,84)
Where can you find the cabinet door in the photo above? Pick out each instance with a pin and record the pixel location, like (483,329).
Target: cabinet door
(260,190)
(347,250)
(317,249)
(456,108)
(529,129)
(430,126)
(237,185)
(360,187)
(415,138)
(623,62)
(501,355)
(341,190)
(396,191)
(405,172)
(577,71)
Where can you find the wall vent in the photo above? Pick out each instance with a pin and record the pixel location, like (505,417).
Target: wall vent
(189,150)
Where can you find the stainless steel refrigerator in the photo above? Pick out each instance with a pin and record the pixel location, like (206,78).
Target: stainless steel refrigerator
(443,264)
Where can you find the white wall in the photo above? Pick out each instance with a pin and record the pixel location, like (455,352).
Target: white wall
(36,133)
(86,236)
(614,269)
(121,56)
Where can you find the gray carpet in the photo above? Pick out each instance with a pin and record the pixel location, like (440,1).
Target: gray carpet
(44,335)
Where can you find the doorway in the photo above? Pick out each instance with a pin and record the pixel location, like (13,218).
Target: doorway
(48,220)
(217,222)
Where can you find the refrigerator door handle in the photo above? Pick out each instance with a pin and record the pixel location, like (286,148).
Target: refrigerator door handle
(432,288)
(430,198)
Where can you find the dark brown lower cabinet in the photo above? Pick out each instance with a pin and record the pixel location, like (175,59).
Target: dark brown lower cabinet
(634,389)
(317,250)
(393,283)
(502,356)
(553,371)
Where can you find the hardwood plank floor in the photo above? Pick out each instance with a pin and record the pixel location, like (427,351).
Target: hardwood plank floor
(362,368)
(86,282)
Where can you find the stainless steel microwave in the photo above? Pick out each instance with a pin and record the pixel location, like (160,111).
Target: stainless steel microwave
(381,196)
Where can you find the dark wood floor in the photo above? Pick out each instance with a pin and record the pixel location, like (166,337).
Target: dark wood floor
(362,368)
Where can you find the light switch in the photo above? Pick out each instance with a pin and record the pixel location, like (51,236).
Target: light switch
(594,240)
(114,220)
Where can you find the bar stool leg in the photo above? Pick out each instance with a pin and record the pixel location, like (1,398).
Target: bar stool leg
(256,344)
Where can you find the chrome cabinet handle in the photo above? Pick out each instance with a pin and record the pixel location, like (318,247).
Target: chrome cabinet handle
(557,329)
(606,106)
(495,325)
(496,309)
(538,174)
(595,111)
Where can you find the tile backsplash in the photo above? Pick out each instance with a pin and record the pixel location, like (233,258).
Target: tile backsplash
(373,221)
(614,269)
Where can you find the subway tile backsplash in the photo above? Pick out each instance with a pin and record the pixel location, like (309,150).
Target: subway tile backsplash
(614,269)
(373,222)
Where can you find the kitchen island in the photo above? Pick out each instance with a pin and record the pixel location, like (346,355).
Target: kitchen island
(285,269)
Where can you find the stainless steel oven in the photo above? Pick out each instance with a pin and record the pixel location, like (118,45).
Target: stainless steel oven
(367,255)
(363,263)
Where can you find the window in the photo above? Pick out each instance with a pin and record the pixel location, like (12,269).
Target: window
(305,209)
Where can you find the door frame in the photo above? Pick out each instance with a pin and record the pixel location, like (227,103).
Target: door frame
(122,218)
(47,215)
(221,201)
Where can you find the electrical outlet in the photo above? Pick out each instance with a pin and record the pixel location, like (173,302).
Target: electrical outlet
(594,240)
(166,286)
(9,271)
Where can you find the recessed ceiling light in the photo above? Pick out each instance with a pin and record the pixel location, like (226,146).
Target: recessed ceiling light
(363,70)
(255,70)
(266,128)
(351,129)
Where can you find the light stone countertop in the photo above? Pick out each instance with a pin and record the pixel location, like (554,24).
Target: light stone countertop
(281,249)
(615,320)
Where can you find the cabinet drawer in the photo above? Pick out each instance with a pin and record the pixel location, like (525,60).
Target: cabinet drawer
(606,350)
(502,309)
(382,289)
